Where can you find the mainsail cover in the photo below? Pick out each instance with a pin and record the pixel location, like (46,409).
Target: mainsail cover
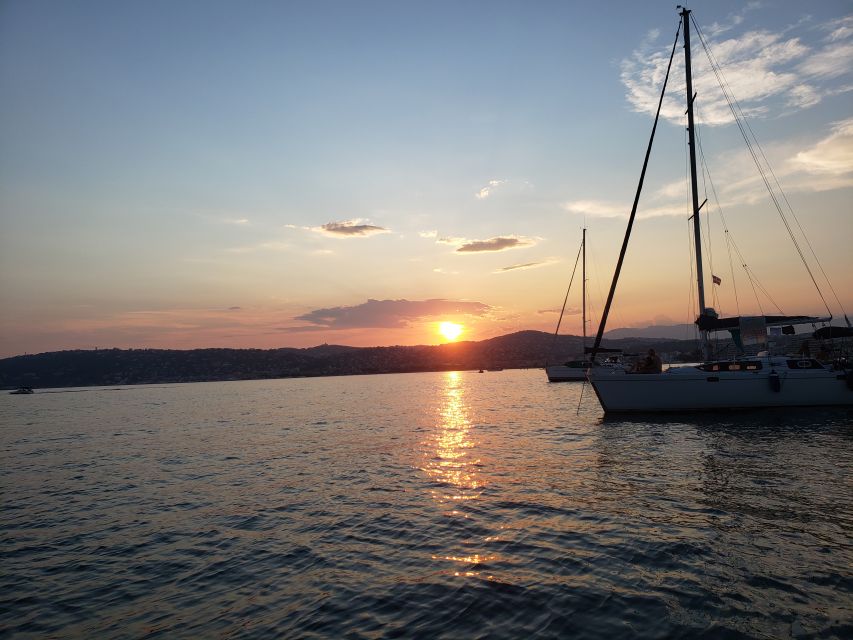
(711,323)
(825,333)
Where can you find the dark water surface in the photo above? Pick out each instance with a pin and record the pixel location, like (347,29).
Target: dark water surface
(435,505)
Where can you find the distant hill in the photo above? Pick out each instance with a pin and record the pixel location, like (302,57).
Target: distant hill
(103,367)
(670,332)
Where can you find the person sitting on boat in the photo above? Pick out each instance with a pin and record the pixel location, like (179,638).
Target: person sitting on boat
(650,364)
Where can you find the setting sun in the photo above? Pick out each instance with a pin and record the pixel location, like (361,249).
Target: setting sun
(450,330)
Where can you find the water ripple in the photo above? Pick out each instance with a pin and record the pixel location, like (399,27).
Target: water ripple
(426,506)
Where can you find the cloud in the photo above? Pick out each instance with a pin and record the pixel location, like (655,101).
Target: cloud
(451,240)
(527,265)
(833,155)
(428,234)
(236,221)
(486,191)
(835,59)
(764,70)
(356,228)
(499,243)
(606,209)
(570,311)
(385,314)
(263,246)
(822,166)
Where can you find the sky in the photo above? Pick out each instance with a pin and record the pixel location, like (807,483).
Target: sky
(269,174)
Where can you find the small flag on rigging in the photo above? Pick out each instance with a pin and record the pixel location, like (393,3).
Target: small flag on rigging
(716,279)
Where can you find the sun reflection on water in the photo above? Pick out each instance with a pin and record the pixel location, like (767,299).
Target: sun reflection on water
(449,449)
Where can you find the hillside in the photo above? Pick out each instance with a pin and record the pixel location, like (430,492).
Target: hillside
(144,366)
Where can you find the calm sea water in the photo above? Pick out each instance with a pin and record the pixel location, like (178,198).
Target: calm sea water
(434,505)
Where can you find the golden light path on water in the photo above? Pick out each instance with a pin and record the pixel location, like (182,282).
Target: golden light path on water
(451,462)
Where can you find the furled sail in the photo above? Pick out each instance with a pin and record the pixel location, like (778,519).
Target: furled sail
(713,323)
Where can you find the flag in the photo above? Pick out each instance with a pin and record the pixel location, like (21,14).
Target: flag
(716,279)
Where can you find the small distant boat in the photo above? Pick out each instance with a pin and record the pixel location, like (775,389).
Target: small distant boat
(22,391)
(577,369)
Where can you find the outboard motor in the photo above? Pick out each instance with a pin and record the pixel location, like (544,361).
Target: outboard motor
(776,383)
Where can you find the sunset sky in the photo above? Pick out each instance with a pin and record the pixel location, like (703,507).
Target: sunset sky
(226,174)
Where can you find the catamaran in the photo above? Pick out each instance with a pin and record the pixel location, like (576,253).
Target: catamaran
(761,380)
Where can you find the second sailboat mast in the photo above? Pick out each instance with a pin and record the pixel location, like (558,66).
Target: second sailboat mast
(583,301)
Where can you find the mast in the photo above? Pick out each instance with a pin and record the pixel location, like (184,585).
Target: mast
(694,191)
(583,298)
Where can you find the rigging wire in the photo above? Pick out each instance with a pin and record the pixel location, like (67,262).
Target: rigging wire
(706,169)
(750,274)
(725,224)
(740,120)
(706,236)
(565,300)
(602,324)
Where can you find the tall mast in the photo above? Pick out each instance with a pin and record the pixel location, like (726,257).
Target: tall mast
(583,245)
(694,191)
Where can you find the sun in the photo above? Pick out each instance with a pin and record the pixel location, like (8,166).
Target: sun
(450,330)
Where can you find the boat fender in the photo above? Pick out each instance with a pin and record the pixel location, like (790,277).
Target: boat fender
(775,382)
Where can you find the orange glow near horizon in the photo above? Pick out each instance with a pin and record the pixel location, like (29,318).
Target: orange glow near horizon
(450,330)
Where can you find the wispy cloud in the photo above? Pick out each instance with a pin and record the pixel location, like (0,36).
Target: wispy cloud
(833,155)
(486,191)
(355,228)
(840,29)
(385,314)
(506,187)
(822,166)
(454,240)
(759,66)
(570,311)
(607,209)
(263,246)
(498,243)
(527,265)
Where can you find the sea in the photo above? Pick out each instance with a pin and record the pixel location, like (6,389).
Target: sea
(425,505)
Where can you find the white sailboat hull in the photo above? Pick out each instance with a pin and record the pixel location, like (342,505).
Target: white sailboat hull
(692,389)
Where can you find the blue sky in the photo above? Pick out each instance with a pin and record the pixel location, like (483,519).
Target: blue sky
(167,168)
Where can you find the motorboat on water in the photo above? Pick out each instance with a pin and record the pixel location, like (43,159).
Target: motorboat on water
(576,370)
(22,391)
(763,380)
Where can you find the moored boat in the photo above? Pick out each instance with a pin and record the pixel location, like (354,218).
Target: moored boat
(746,382)
(22,391)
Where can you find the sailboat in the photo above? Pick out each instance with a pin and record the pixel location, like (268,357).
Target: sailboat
(573,370)
(576,370)
(763,380)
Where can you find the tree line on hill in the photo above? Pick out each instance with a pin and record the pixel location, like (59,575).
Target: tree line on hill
(104,367)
